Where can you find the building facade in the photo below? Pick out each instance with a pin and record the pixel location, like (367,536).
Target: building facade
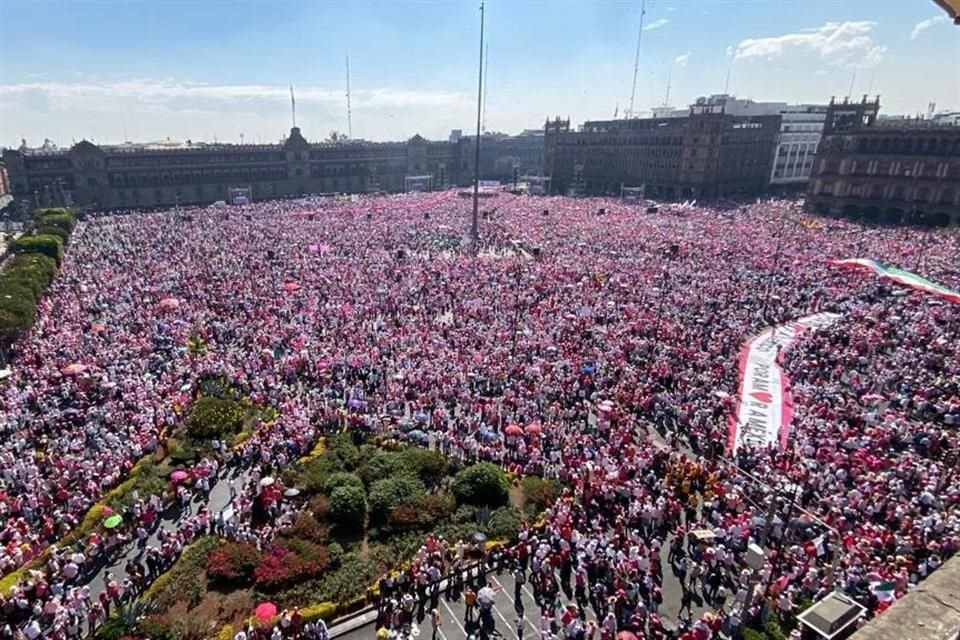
(801,126)
(707,153)
(894,171)
(132,176)
(503,157)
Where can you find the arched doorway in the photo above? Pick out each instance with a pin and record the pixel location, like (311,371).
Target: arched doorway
(940,219)
(892,215)
(851,211)
(871,215)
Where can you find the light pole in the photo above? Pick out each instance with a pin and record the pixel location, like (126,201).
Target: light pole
(474,228)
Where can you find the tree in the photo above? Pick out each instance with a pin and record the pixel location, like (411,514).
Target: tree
(336,136)
(389,493)
(481,484)
(342,479)
(348,506)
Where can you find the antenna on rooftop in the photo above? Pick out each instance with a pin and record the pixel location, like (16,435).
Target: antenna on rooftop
(726,83)
(666,100)
(349,112)
(636,58)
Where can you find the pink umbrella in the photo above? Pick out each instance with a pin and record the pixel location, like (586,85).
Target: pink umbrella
(98,328)
(169,303)
(291,286)
(74,369)
(513,430)
(534,428)
(265,611)
(179,476)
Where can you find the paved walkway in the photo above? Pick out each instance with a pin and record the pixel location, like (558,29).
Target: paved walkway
(216,501)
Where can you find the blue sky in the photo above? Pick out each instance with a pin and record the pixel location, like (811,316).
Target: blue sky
(186,69)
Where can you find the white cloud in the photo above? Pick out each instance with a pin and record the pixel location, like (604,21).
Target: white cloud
(153,109)
(838,43)
(656,24)
(730,51)
(681,60)
(923,25)
(149,91)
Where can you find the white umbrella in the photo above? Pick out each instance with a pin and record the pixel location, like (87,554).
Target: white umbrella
(266,482)
(486,596)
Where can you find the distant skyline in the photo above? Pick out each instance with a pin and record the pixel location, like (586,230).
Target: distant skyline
(145,70)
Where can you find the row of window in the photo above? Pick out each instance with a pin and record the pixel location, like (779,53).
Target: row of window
(947,195)
(915,169)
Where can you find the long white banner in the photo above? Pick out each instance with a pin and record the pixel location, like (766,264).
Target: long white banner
(764,409)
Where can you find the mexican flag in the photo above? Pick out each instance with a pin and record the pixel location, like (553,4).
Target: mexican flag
(900,276)
(885,591)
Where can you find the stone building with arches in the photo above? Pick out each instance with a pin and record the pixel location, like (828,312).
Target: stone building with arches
(132,176)
(888,172)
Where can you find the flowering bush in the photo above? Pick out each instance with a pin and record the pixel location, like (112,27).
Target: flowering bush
(212,417)
(290,561)
(232,562)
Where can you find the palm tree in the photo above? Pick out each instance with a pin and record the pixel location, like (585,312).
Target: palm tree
(132,613)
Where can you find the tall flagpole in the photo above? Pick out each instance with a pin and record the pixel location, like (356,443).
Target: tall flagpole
(293,107)
(474,228)
(349,112)
(636,58)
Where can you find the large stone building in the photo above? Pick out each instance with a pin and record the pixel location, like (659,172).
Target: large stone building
(502,156)
(800,129)
(705,153)
(165,174)
(894,171)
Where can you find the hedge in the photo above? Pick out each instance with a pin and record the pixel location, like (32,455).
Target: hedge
(63,234)
(184,580)
(61,218)
(47,245)
(91,521)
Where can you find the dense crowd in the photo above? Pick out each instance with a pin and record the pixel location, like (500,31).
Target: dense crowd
(610,341)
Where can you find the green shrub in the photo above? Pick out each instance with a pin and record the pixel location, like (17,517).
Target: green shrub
(348,507)
(342,479)
(753,634)
(383,464)
(481,484)
(538,494)
(60,218)
(212,417)
(112,629)
(51,246)
(63,234)
(185,581)
(773,630)
(504,524)
(307,527)
(32,270)
(314,474)
(341,447)
(17,312)
(353,578)
(391,492)
(428,464)
(335,549)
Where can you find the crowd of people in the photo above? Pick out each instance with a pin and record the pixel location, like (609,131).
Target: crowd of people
(611,341)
